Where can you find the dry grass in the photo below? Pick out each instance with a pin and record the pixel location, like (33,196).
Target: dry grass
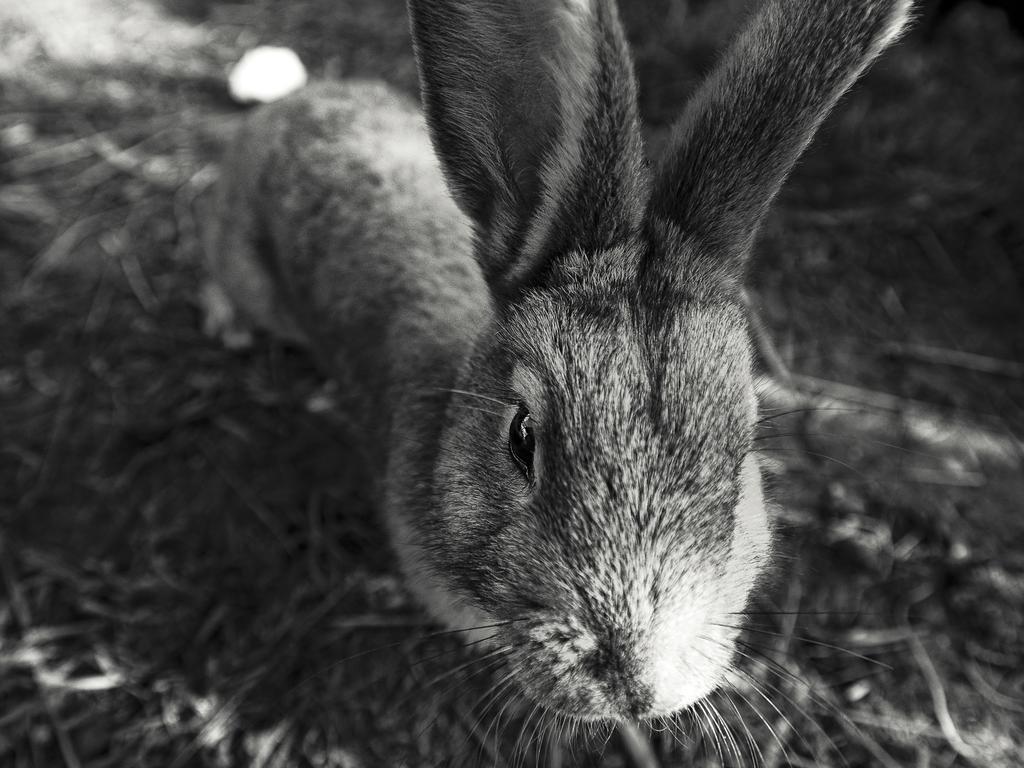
(190,576)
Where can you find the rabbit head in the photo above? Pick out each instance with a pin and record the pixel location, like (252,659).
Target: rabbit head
(597,497)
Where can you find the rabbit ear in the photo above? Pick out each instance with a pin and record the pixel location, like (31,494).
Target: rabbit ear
(531,106)
(746,126)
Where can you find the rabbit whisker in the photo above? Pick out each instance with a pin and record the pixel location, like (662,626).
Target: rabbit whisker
(517,754)
(512,698)
(789,724)
(462,407)
(808,640)
(850,436)
(490,660)
(802,711)
(798,613)
(769,417)
(807,687)
(489,697)
(479,396)
(825,456)
(712,726)
(443,632)
(750,735)
(457,649)
(772,729)
(495,655)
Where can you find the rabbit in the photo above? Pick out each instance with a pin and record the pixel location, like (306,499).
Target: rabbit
(538,337)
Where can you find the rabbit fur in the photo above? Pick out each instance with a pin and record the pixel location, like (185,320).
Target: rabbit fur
(536,284)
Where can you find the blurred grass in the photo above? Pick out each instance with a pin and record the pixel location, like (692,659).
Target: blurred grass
(189,574)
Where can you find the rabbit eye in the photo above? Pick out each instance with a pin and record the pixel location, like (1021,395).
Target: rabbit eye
(520,441)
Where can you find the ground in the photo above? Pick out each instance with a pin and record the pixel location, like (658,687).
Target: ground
(189,574)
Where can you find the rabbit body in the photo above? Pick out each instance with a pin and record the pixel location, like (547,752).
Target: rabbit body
(332,228)
(549,368)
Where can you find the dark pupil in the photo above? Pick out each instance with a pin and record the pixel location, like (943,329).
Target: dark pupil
(520,441)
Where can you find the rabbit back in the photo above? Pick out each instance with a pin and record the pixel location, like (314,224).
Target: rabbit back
(333,227)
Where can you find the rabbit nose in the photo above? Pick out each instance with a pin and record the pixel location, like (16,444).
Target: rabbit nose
(616,666)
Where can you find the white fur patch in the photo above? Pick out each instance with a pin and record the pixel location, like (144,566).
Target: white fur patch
(692,641)
(752,531)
